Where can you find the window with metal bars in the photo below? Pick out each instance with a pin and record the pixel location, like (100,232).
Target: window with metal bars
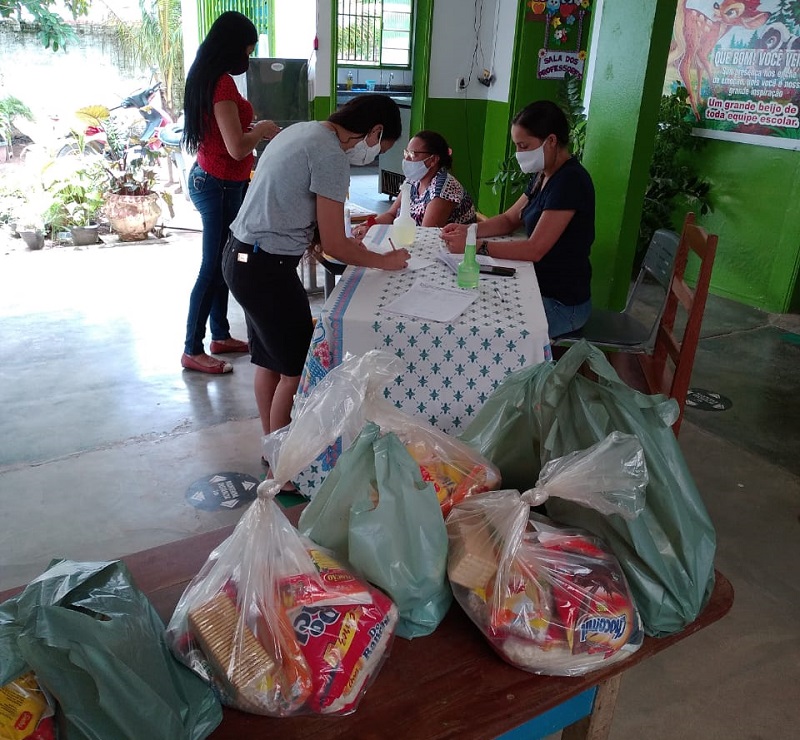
(261,12)
(375,33)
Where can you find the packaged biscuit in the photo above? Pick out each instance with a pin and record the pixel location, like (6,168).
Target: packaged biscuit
(277,625)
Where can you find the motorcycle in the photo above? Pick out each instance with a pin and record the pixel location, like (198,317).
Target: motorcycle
(108,132)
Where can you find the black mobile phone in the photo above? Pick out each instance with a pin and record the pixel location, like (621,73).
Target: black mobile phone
(497,270)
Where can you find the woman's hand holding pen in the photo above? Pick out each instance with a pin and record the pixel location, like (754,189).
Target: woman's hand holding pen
(454,236)
(397,259)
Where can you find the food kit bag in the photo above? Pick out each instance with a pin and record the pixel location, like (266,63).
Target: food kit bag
(547,411)
(328,420)
(277,625)
(550,600)
(377,512)
(94,642)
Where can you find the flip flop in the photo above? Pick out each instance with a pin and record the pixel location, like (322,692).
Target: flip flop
(215,367)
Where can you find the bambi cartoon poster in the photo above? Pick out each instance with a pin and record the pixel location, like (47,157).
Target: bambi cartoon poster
(740,62)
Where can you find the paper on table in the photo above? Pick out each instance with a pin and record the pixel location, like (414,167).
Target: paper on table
(432,302)
(377,240)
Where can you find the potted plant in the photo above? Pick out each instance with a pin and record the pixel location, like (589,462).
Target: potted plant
(31,216)
(131,200)
(76,185)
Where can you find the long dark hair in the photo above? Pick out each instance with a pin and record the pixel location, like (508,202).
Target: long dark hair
(221,51)
(542,118)
(436,144)
(363,112)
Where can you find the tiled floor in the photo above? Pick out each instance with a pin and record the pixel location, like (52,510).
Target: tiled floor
(102,434)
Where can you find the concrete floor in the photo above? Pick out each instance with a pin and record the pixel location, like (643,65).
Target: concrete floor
(102,434)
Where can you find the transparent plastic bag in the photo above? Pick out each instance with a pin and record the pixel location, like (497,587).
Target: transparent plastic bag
(550,600)
(335,412)
(610,477)
(277,625)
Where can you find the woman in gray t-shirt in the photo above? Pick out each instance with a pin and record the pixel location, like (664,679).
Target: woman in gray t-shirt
(299,189)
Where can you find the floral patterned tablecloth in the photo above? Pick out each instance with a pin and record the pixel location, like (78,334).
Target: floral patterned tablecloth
(450,368)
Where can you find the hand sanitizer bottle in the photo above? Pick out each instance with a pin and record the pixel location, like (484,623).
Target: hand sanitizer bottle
(469,270)
(404,228)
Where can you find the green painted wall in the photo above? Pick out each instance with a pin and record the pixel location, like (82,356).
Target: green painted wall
(758,255)
(630,60)
(463,123)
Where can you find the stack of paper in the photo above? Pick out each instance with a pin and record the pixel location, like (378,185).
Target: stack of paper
(432,302)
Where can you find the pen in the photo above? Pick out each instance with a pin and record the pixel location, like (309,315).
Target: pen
(497,291)
(394,248)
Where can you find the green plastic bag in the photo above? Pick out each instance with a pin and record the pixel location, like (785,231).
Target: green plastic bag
(96,644)
(546,411)
(399,543)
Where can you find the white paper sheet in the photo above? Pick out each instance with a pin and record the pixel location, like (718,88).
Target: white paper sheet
(432,302)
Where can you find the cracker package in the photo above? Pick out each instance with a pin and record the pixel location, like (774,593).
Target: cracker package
(276,625)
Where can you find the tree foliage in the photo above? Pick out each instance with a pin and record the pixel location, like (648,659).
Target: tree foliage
(156,42)
(11,108)
(674,181)
(54,31)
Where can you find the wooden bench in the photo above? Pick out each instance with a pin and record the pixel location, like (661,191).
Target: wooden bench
(447,685)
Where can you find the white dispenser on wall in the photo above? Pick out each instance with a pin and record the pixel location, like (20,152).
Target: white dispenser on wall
(404,228)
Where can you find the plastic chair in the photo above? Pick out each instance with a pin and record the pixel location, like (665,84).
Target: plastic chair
(668,369)
(629,330)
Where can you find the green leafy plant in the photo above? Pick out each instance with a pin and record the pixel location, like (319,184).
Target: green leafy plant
(76,185)
(11,108)
(570,98)
(132,167)
(54,31)
(674,181)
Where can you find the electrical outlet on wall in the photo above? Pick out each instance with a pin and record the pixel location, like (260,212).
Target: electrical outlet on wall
(461,84)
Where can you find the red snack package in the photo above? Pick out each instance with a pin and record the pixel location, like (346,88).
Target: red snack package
(343,644)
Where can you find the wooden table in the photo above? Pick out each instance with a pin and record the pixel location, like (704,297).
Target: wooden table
(447,685)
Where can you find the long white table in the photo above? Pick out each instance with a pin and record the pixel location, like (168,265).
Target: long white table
(450,368)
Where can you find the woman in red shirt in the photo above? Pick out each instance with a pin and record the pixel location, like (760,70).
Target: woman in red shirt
(219,128)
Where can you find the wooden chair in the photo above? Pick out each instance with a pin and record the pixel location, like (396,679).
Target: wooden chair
(668,368)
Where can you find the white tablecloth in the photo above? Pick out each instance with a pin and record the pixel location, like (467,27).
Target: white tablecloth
(450,368)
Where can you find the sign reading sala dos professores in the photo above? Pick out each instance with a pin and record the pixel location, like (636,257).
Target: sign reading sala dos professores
(740,62)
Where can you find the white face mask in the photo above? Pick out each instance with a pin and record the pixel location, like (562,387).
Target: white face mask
(362,154)
(532,160)
(414,171)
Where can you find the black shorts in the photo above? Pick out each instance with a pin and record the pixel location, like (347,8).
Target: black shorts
(275,304)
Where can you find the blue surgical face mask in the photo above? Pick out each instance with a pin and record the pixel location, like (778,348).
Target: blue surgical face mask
(362,153)
(415,171)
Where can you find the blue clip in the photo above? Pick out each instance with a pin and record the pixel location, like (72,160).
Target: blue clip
(255,246)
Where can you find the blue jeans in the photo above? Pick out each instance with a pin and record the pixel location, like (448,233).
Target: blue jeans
(217,201)
(562,319)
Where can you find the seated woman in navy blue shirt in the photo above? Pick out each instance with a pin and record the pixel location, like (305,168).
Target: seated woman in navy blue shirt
(557,212)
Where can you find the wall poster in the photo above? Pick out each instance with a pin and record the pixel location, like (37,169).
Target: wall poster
(740,62)
(561,52)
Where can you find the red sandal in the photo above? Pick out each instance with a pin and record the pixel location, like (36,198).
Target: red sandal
(214,366)
(226,346)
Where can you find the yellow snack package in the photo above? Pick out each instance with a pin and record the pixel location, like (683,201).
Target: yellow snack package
(22,705)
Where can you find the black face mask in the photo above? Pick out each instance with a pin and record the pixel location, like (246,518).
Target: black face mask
(240,67)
